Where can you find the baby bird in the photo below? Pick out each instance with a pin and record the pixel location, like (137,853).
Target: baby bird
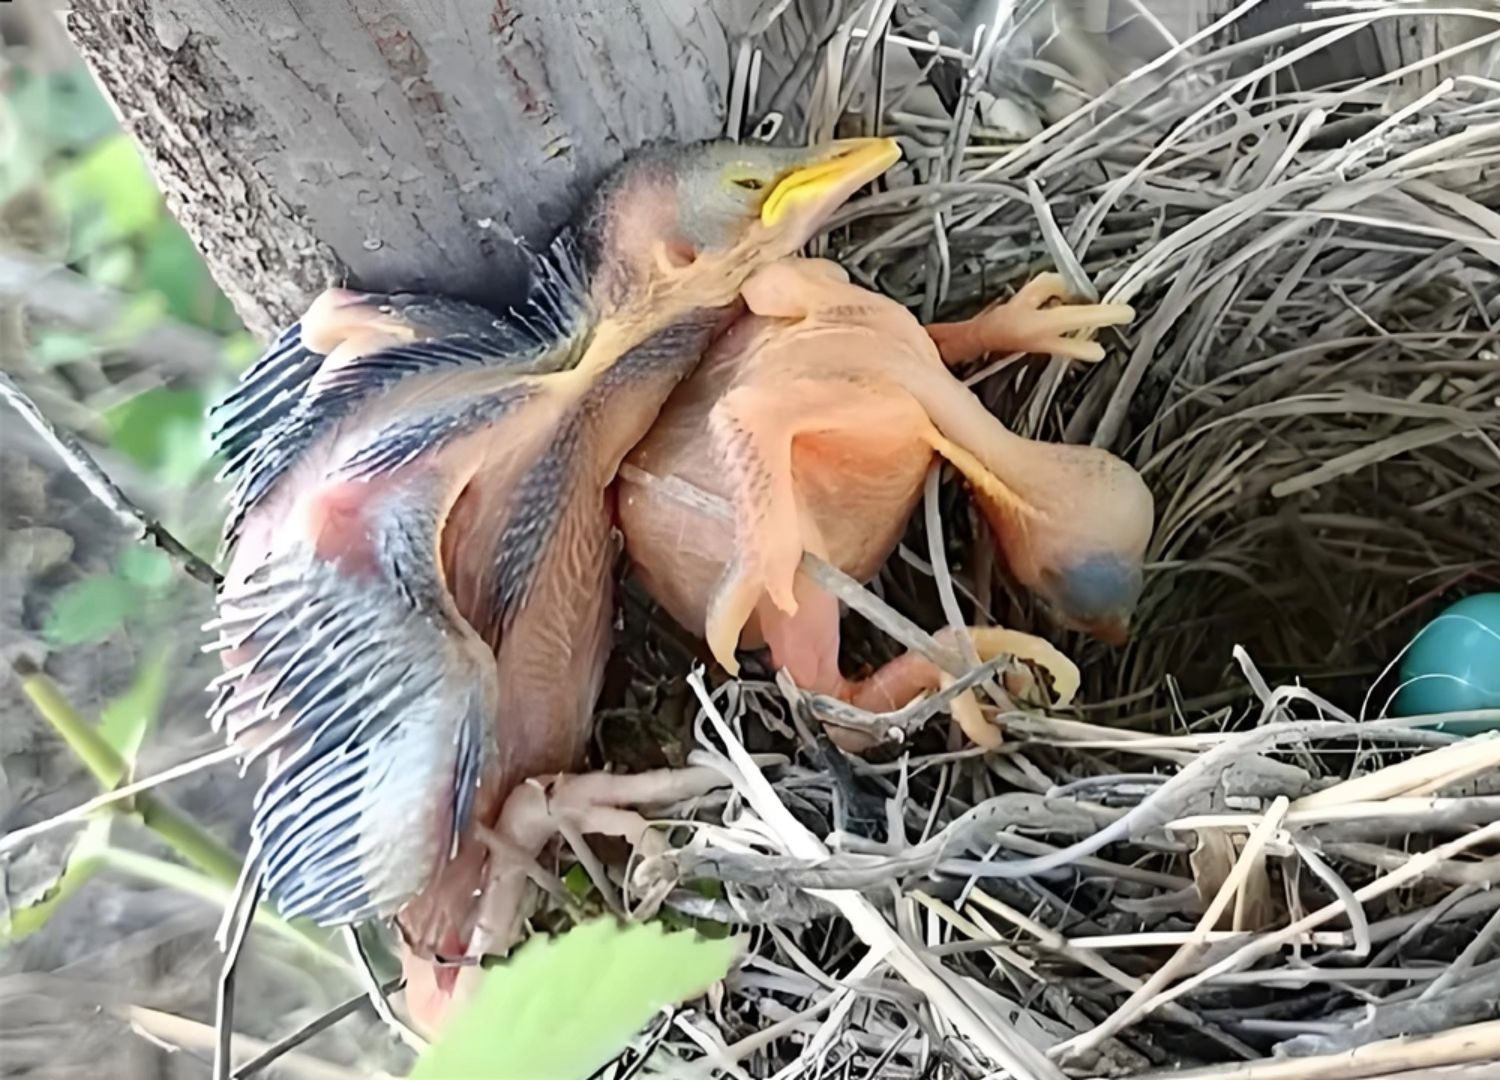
(816,418)
(417,608)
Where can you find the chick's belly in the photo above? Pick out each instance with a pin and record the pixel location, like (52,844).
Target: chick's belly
(860,492)
(678,553)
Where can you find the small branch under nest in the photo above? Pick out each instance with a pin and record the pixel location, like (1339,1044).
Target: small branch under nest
(81,464)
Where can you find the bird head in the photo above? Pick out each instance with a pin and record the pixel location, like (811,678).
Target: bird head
(1073,524)
(700,218)
(1096,594)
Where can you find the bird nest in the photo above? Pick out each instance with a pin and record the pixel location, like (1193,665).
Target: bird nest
(1227,860)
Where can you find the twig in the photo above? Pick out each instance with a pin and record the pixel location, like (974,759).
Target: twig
(313,1027)
(111,799)
(233,932)
(82,465)
(181,1032)
(182,834)
(826,576)
(377,994)
(1005,1048)
(1415,867)
(1483,941)
(1141,999)
(1474,1043)
(58,295)
(1086,957)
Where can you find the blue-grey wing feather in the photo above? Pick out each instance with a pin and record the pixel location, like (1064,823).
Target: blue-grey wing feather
(282,408)
(372,701)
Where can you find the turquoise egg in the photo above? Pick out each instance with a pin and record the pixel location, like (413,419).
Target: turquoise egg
(1453,665)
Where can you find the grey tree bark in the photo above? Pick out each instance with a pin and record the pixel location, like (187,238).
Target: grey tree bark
(392,144)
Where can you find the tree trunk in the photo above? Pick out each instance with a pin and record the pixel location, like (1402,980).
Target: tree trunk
(393,145)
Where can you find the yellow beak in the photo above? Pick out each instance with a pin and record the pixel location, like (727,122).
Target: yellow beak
(836,172)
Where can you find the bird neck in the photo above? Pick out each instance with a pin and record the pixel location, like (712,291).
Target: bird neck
(665,309)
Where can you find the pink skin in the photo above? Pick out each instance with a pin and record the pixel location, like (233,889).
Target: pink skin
(825,407)
(473,904)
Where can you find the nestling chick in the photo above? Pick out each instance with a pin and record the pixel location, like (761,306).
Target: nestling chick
(816,418)
(417,609)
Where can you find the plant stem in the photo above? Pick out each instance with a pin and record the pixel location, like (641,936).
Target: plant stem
(185,836)
(189,840)
(161,872)
(101,759)
(86,858)
(82,465)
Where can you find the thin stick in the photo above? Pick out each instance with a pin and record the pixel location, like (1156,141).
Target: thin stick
(235,929)
(1082,956)
(183,835)
(179,1032)
(1475,1042)
(82,465)
(1269,943)
(313,1027)
(1483,941)
(826,576)
(1140,1001)
(111,799)
(1008,1050)
(376,993)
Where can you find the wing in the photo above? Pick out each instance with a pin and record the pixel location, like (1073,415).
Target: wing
(430,595)
(368,694)
(350,625)
(347,351)
(350,348)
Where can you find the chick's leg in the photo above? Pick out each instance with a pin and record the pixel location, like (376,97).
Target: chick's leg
(1024,324)
(754,445)
(570,805)
(806,645)
(904,678)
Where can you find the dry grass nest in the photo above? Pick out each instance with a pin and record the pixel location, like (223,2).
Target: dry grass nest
(1227,860)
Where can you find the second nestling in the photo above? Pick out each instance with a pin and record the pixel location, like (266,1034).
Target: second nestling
(816,417)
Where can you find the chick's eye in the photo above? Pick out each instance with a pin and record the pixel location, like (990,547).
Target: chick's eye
(749,183)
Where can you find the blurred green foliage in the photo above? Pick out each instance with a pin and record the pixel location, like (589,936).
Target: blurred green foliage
(61,137)
(136,591)
(74,188)
(123,726)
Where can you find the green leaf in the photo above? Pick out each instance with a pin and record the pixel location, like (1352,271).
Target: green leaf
(145,566)
(89,610)
(86,858)
(108,263)
(150,426)
(110,183)
(172,267)
(61,347)
(577,882)
(564,1006)
(185,452)
(21,157)
(240,351)
(143,312)
(61,110)
(125,720)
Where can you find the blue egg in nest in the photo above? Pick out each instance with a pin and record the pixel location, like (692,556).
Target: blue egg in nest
(1453,665)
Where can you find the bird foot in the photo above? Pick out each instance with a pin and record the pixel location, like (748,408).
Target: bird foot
(910,676)
(1025,323)
(563,804)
